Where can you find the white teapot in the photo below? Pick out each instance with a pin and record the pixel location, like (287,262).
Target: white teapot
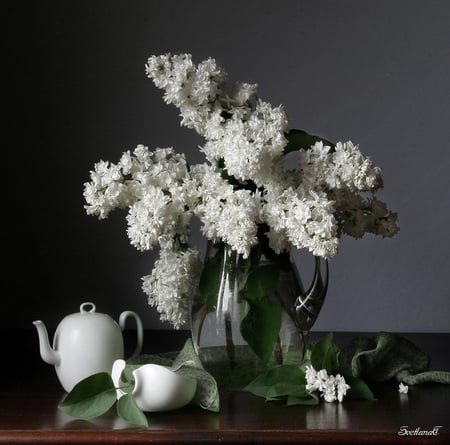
(85,343)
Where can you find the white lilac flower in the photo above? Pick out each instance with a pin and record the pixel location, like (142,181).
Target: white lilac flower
(242,93)
(154,216)
(243,182)
(226,214)
(106,191)
(345,167)
(402,388)
(193,89)
(250,147)
(331,387)
(341,387)
(358,215)
(313,383)
(306,219)
(237,224)
(248,141)
(172,283)
(120,185)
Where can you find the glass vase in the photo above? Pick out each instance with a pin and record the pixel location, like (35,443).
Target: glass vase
(252,313)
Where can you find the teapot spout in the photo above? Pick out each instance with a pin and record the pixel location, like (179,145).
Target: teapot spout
(48,354)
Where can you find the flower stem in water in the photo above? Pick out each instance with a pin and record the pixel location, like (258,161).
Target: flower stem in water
(229,340)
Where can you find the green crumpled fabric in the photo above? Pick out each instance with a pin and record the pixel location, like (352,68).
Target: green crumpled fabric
(389,356)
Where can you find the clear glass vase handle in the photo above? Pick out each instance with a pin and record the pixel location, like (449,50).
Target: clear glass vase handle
(309,303)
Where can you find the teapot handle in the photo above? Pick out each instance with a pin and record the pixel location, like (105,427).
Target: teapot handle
(140,333)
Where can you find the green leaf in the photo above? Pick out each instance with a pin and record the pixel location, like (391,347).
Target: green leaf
(283,382)
(358,389)
(261,326)
(289,375)
(91,397)
(285,389)
(325,355)
(299,139)
(261,282)
(308,399)
(129,411)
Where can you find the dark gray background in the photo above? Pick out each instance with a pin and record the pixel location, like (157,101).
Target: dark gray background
(374,72)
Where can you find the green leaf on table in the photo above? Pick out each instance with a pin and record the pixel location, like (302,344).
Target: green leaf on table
(261,282)
(129,411)
(307,399)
(325,354)
(358,389)
(285,382)
(262,385)
(299,139)
(91,397)
(261,326)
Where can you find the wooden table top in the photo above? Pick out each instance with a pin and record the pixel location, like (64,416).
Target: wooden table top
(29,413)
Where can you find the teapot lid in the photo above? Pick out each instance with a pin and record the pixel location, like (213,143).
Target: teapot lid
(87,314)
(88,311)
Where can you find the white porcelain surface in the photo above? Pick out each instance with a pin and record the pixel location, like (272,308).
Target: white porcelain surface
(157,388)
(85,343)
(117,368)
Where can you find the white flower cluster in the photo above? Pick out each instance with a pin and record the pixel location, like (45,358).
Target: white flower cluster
(172,283)
(245,137)
(226,214)
(248,138)
(251,147)
(152,185)
(242,185)
(189,87)
(342,174)
(344,168)
(331,387)
(358,215)
(300,218)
